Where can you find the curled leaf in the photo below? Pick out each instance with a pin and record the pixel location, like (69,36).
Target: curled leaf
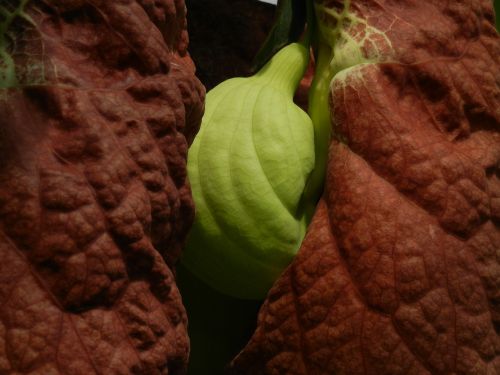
(248,167)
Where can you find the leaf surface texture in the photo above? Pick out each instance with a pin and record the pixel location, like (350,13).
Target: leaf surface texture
(399,272)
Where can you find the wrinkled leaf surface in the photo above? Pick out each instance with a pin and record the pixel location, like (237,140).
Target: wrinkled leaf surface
(399,272)
(94,204)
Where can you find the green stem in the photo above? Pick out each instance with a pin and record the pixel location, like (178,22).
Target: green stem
(319,111)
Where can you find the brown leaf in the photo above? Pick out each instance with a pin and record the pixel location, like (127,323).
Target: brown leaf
(94,203)
(399,272)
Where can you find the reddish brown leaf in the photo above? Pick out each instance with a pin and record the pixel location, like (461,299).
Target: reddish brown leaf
(399,272)
(94,204)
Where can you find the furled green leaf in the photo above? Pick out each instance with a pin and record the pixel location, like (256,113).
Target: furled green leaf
(248,167)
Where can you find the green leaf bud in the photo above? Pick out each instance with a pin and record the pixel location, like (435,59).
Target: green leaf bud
(248,167)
